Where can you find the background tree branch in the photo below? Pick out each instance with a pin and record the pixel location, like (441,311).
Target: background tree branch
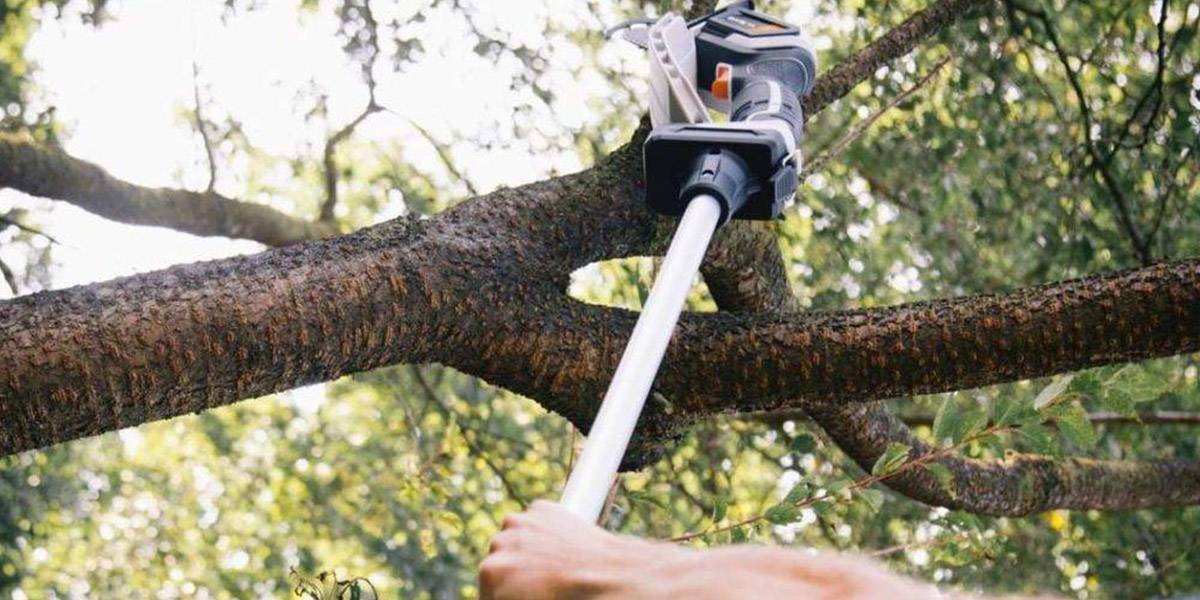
(1020,484)
(48,172)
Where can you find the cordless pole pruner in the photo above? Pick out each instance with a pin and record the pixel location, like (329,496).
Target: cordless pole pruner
(754,69)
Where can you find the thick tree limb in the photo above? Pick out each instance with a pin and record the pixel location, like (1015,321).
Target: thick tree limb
(942,345)
(468,289)
(1018,485)
(140,348)
(48,172)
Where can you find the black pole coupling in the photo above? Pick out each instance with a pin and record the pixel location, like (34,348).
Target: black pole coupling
(723,175)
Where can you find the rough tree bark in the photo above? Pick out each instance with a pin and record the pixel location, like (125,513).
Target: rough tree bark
(482,288)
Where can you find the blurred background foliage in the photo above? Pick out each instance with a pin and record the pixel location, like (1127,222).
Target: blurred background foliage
(1042,141)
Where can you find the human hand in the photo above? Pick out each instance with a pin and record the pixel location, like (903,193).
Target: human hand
(546,553)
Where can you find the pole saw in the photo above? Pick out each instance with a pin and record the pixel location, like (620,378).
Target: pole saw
(753,68)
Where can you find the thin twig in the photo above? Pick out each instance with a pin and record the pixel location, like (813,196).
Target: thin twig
(330,164)
(929,543)
(822,159)
(4,220)
(444,155)
(10,278)
(328,157)
(472,444)
(610,500)
(571,455)
(201,127)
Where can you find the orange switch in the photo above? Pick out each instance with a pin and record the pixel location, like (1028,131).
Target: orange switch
(721,83)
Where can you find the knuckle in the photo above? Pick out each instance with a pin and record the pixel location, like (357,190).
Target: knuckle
(505,540)
(542,505)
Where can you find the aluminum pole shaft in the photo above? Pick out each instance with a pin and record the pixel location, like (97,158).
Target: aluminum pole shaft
(588,484)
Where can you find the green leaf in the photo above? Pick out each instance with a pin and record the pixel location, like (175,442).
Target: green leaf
(1052,391)
(1040,439)
(1120,402)
(822,508)
(1136,383)
(1074,424)
(965,520)
(892,458)
(797,494)
(957,421)
(833,488)
(719,510)
(1087,384)
(804,443)
(945,477)
(974,419)
(782,513)
(738,535)
(873,499)
(946,421)
(646,497)
(1015,410)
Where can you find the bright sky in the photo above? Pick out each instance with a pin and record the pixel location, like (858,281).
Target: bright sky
(123,91)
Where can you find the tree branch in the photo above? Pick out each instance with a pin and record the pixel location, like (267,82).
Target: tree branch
(444,156)
(1020,484)
(818,163)
(371,27)
(10,278)
(1101,164)
(48,172)
(7,221)
(330,164)
(1140,418)
(838,82)
(202,127)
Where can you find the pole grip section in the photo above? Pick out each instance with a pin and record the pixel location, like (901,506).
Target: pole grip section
(588,485)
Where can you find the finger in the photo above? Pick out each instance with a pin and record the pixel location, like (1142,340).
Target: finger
(491,575)
(545,505)
(505,540)
(514,521)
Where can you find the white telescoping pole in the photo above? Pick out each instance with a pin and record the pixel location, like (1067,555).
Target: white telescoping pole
(589,482)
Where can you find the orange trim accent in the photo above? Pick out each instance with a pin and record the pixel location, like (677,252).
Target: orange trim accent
(721,83)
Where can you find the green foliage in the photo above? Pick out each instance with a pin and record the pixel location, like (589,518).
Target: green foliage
(895,455)
(326,586)
(958,420)
(1073,422)
(804,443)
